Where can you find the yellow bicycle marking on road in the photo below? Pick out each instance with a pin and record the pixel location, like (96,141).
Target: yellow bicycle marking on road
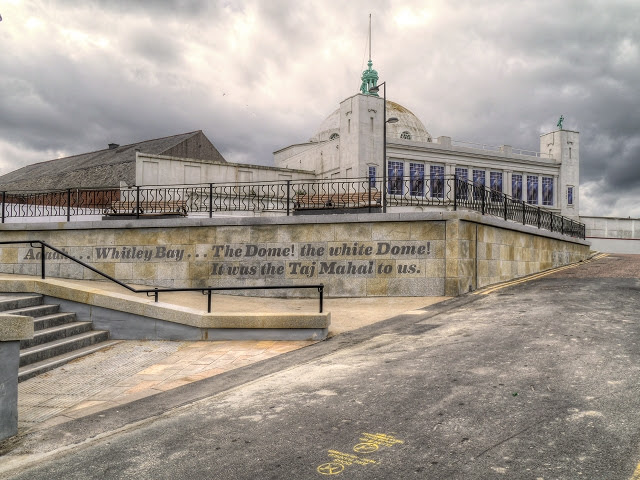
(537,275)
(365,448)
(330,468)
(368,443)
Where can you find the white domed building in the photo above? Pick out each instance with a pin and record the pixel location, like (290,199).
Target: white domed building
(337,148)
(349,144)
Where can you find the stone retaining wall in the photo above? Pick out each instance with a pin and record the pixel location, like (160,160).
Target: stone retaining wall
(426,254)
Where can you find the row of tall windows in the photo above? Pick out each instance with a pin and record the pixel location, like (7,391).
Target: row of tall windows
(496,186)
(416,186)
(417,183)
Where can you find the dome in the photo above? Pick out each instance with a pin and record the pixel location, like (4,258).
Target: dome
(408,125)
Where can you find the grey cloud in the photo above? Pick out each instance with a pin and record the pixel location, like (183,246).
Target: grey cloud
(153,44)
(496,74)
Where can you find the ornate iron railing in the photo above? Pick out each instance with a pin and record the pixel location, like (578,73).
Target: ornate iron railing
(290,197)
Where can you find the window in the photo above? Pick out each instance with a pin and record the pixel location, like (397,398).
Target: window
(334,136)
(495,183)
(532,189)
(462,187)
(569,195)
(437,181)
(406,135)
(478,184)
(547,190)
(396,174)
(516,186)
(416,175)
(372,176)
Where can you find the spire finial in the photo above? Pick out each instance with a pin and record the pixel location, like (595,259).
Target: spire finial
(369,76)
(369,37)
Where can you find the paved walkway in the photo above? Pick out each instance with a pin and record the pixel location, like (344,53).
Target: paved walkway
(537,380)
(132,370)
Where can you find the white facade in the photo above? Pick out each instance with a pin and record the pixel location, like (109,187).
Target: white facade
(154,170)
(349,143)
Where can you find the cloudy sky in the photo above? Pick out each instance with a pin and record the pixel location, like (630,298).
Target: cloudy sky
(259,75)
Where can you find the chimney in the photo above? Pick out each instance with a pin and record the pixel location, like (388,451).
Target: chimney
(113,146)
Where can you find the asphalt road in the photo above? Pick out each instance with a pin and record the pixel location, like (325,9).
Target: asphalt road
(539,380)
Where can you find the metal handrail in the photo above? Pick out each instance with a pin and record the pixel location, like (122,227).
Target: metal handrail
(154,291)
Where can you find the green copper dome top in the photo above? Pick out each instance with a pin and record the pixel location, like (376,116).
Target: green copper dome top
(369,79)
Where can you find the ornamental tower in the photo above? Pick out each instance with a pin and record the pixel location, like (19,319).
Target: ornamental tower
(369,76)
(564,147)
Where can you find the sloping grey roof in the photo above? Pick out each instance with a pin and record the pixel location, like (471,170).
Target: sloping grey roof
(104,168)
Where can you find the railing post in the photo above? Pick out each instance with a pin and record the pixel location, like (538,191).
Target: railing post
(369,182)
(137,201)
(42,261)
(455,192)
(209,301)
(320,291)
(288,196)
(210,200)
(524,209)
(155,295)
(538,217)
(4,197)
(551,215)
(68,204)
(484,193)
(562,225)
(505,206)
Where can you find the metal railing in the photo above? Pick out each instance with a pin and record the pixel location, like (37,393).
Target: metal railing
(289,197)
(476,197)
(155,292)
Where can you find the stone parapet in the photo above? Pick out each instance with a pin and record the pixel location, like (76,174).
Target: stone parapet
(353,255)
(15,328)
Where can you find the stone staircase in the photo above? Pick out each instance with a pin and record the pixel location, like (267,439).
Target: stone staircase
(58,336)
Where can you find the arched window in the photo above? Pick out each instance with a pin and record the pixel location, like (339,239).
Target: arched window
(406,135)
(334,136)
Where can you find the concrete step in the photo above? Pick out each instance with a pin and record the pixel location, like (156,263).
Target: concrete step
(11,301)
(53,320)
(29,371)
(35,311)
(57,332)
(38,353)
(58,336)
